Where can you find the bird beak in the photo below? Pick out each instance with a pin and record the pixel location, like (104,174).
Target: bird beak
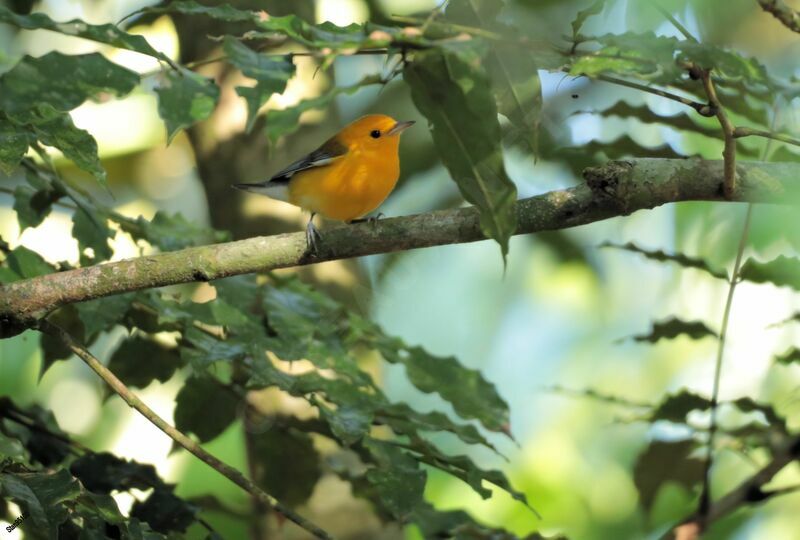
(399,127)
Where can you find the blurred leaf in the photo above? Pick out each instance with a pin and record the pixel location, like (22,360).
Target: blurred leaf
(286,465)
(22,263)
(661,256)
(33,202)
(271,73)
(781,271)
(281,122)
(103,314)
(676,407)
(164,512)
(53,348)
(43,496)
(76,144)
(746,405)
(666,461)
(673,328)
(93,233)
(683,121)
(351,419)
(184,98)
(14,141)
(204,350)
(790,357)
(204,407)
(101,33)
(794,318)
(580,18)
(172,232)
(644,56)
(38,432)
(398,479)
(138,361)
(40,89)
(104,472)
(449,87)
(224,12)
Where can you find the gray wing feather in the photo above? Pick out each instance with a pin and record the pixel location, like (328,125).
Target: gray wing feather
(324,155)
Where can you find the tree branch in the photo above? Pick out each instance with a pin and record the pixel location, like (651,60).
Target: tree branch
(788,16)
(617,188)
(133,401)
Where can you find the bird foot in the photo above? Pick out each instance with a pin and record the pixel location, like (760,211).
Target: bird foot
(371,219)
(312,237)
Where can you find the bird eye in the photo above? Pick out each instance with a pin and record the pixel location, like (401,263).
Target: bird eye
(375,133)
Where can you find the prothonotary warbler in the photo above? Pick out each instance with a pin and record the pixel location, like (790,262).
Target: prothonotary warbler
(346,178)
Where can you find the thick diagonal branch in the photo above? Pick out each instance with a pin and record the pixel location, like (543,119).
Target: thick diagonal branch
(781,11)
(614,189)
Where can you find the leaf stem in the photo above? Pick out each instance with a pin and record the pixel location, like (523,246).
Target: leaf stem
(133,401)
(740,132)
(703,109)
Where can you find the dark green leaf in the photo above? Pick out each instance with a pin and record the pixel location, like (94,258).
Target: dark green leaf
(33,202)
(138,361)
(53,348)
(104,473)
(675,407)
(351,419)
(14,141)
(398,479)
(204,350)
(39,434)
(663,462)
(449,87)
(782,271)
(92,233)
(76,144)
(644,56)
(103,313)
(271,73)
(172,232)
(101,33)
(204,407)
(39,89)
(661,256)
(286,465)
(184,98)
(673,328)
(789,357)
(224,12)
(42,496)
(22,263)
(164,512)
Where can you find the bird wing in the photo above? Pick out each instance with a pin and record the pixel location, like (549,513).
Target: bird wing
(330,151)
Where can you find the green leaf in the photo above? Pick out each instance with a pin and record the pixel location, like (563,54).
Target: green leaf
(204,350)
(139,361)
(76,144)
(103,314)
(39,89)
(101,33)
(92,233)
(398,479)
(449,87)
(781,271)
(790,357)
(675,407)
(281,122)
(184,98)
(22,263)
(103,473)
(580,18)
(682,121)
(673,328)
(747,405)
(352,417)
(661,256)
(54,349)
(286,465)
(42,496)
(663,462)
(172,232)
(165,512)
(644,56)
(224,12)
(204,407)
(14,141)
(271,73)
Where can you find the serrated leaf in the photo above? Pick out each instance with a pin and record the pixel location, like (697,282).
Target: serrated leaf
(663,462)
(790,357)
(164,512)
(40,89)
(398,479)
(138,361)
(286,465)
(282,122)
(662,256)
(102,314)
(104,472)
(185,98)
(172,232)
(101,33)
(351,419)
(271,73)
(675,407)
(42,496)
(91,232)
(449,87)
(14,141)
(76,144)
(673,328)
(205,408)
(202,350)
(781,271)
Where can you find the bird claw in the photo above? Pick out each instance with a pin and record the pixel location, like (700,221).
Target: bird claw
(371,219)
(312,236)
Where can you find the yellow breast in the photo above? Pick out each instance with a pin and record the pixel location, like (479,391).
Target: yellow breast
(349,188)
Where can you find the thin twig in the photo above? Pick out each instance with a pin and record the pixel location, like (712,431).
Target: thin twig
(133,401)
(740,132)
(729,151)
(703,109)
(675,22)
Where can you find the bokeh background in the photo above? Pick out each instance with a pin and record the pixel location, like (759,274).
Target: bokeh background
(545,332)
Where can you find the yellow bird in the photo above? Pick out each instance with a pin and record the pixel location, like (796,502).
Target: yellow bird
(346,178)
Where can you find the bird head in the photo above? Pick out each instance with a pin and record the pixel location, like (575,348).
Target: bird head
(373,131)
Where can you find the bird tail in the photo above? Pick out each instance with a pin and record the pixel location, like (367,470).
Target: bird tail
(270,189)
